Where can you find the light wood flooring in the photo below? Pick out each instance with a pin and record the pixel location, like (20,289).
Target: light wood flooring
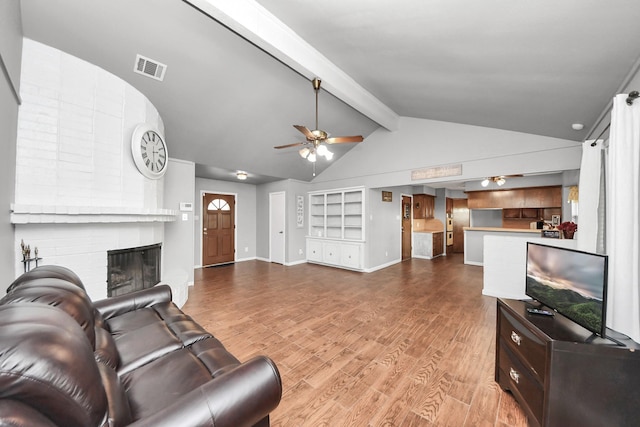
(409,345)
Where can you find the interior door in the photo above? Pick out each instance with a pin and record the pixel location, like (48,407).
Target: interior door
(218,229)
(277,225)
(406,227)
(460,220)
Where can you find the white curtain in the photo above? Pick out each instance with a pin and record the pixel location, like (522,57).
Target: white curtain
(623,231)
(591,198)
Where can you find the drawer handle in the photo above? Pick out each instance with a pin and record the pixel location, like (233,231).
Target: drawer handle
(514,375)
(516,338)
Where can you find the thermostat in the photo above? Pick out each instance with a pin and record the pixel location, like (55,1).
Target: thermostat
(186,206)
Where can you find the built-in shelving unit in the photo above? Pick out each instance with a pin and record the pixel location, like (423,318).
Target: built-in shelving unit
(336,228)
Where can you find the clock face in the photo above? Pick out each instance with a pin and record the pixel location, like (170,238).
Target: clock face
(149,151)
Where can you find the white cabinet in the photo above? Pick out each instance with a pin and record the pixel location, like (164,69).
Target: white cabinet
(336,228)
(336,253)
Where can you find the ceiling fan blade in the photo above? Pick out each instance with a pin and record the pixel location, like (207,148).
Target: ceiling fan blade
(344,139)
(305,131)
(290,145)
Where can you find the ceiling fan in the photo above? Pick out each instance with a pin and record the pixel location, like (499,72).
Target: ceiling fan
(317,138)
(500,179)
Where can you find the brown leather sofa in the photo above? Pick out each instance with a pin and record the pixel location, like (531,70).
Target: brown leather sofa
(135,360)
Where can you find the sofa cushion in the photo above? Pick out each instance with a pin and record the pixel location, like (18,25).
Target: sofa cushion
(143,345)
(119,411)
(47,363)
(105,350)
(48,272)
(58,293)
(150,392)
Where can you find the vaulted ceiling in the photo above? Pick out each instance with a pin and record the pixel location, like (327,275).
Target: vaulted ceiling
(233,91)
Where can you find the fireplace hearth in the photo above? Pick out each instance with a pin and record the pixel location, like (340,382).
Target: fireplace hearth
(133,269)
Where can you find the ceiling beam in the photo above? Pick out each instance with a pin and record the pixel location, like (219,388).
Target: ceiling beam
(254,23)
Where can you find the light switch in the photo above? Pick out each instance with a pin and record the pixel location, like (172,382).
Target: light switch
(185,217)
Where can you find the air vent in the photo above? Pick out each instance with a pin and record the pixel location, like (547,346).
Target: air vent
(149,67)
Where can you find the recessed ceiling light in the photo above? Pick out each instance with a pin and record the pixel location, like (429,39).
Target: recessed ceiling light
(577,126)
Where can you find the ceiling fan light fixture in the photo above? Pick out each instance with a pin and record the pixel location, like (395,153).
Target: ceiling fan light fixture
(328,155)
(500,181)
(304,152)
(485,182)
(312,157)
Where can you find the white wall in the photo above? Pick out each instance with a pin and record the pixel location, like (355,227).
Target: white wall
(178,247)
(73,154)
(387,158)
(10,55)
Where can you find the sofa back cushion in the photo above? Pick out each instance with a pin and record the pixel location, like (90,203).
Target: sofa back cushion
(58,293)
(47,272)
(47,363)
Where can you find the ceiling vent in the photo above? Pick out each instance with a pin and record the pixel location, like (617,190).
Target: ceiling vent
(149,67)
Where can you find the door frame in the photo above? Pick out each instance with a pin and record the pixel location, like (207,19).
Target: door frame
(235,221)
(410,196)
(284,231)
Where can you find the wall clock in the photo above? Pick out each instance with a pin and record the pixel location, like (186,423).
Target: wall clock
(149,151)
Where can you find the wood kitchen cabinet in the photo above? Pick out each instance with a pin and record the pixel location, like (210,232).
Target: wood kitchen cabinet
(519,198)
(561,374)
(423,206)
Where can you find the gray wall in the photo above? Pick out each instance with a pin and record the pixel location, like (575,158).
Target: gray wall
(245,216)
(10,57)
(178,248)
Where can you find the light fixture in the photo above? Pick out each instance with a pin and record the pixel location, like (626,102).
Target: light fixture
(577,126)
(312,153)
(304,152)
(499,180)
(241,175)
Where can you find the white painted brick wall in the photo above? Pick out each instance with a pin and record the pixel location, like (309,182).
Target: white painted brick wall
(73,149)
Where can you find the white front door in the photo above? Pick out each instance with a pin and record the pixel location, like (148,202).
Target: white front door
(277,227)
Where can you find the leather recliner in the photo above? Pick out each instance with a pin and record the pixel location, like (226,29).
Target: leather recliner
(135,359)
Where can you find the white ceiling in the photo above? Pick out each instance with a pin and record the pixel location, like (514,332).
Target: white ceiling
(534,67)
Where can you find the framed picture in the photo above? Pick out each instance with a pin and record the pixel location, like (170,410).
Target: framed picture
(387,196)
(299,211)
(555,220)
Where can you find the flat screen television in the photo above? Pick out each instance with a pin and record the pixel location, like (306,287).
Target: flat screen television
(571,282)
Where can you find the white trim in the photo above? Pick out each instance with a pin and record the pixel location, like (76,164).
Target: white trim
(381,266)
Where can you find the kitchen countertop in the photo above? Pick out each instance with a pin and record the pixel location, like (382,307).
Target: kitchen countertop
(503,230)
(428,231)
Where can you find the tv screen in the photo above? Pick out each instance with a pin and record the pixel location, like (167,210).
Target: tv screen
(571,282)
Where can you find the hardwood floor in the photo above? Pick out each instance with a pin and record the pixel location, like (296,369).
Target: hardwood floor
(409,345)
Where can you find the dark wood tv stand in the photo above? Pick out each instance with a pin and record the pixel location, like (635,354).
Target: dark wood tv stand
(561,375)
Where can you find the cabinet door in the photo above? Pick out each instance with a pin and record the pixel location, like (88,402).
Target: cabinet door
(429,206)
(331,253)
(419,211)
(438,243)
(314,250)
(350,256)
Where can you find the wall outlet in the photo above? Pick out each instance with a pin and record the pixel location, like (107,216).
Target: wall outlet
(386,253)
(300,252)
(246,248)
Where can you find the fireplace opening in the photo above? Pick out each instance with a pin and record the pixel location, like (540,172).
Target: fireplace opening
(133,269)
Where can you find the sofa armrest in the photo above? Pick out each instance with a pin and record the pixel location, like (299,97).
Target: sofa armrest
(241,397)
(115,306)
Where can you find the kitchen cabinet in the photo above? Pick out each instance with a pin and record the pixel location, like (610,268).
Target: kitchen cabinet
(423,206)
(336,228)
(428,245)
(561,374)
(518,198)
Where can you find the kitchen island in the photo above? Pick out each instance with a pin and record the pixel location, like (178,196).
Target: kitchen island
(474,240)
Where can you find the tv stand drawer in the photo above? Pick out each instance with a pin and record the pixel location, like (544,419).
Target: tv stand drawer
(516,378)
(529,348)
